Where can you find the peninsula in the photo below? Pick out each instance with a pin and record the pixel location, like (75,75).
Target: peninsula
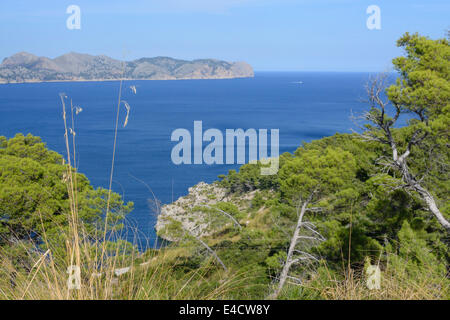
(25,67)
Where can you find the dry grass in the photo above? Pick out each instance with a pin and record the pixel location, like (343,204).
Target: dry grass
(156,278)
(395,285)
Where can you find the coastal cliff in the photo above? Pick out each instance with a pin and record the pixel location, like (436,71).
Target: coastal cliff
(206,209)
(26,67)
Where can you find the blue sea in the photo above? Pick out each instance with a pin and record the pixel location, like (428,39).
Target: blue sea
(303,106)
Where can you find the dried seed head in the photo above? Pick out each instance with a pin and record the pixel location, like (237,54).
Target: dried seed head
(127,107)
(78,110)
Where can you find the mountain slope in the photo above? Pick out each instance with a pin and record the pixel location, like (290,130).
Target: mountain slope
(26,67)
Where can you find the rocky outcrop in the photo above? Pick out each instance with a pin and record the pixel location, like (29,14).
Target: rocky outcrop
(26,67)
(188,210)
(197,212)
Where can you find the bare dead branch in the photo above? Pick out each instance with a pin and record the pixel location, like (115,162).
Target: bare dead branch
(225,213)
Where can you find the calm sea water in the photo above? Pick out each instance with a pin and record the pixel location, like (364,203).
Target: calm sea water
(320,106)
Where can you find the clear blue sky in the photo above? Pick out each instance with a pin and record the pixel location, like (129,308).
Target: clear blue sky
(309,35)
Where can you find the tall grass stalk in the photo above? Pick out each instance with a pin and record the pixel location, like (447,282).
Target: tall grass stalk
(112,164)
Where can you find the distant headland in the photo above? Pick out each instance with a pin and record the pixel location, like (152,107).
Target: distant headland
(25,67)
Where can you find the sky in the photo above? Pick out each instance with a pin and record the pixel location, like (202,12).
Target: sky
(271,35)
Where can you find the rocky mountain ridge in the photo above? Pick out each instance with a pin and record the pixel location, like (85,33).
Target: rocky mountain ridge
(26,67)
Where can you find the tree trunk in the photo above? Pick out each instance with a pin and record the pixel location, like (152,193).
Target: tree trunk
(429,199)
(287,265)
(424,194)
